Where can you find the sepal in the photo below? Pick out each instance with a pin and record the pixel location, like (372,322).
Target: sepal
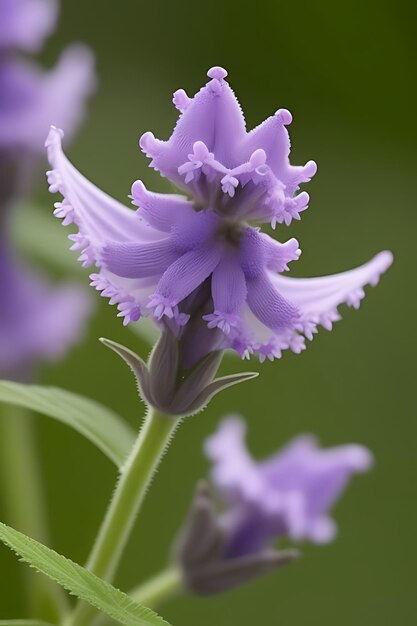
(168,387)
(200,551)
(136,364)
(218,385)
(163,368)
(196,380)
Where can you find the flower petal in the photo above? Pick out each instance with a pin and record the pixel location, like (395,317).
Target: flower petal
(66,89)
(234,472)
(318,476)
(317,299)
(132,260)
(160,210)
(228,285)
(212,117)
(278,255)
(228,288)
(30,98)
(24,24)
(183,277)
(98,216)
(100,219)
(272,136)
(268,305)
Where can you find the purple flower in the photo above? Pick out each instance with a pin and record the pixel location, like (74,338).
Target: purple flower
(201,253)
(30,98)
(24,24)
(288,495)
(36,321)
(200,551)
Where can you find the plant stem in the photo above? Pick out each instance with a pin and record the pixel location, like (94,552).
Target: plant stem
(23,498)
(162,587)
(115,530)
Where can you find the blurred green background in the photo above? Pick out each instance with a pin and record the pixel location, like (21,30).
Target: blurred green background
(347,73)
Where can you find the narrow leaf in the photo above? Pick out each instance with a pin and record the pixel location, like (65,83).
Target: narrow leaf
(79,581)
(96,422)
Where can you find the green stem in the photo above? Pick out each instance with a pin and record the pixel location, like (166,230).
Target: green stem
(115,530)
(162,587)
(23,498)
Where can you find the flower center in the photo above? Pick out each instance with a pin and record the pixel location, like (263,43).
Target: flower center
(231,231)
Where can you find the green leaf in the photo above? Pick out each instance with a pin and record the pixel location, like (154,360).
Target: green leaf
(79,581)
(96,422)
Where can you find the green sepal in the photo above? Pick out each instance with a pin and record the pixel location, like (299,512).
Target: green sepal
(162,384)
(195,381)
(136,364)
(163,367)
(218,385)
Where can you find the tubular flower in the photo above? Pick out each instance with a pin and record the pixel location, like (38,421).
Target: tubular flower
(201,253)
(288,495)
(36,321)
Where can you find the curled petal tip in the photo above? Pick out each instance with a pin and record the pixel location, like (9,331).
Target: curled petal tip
(310,168)
(148,144)
(303,198)
(181,100)
(284,116)
(381,262)
(386,259)
(217,72)
(138,191)
(361,459)
(54,135)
